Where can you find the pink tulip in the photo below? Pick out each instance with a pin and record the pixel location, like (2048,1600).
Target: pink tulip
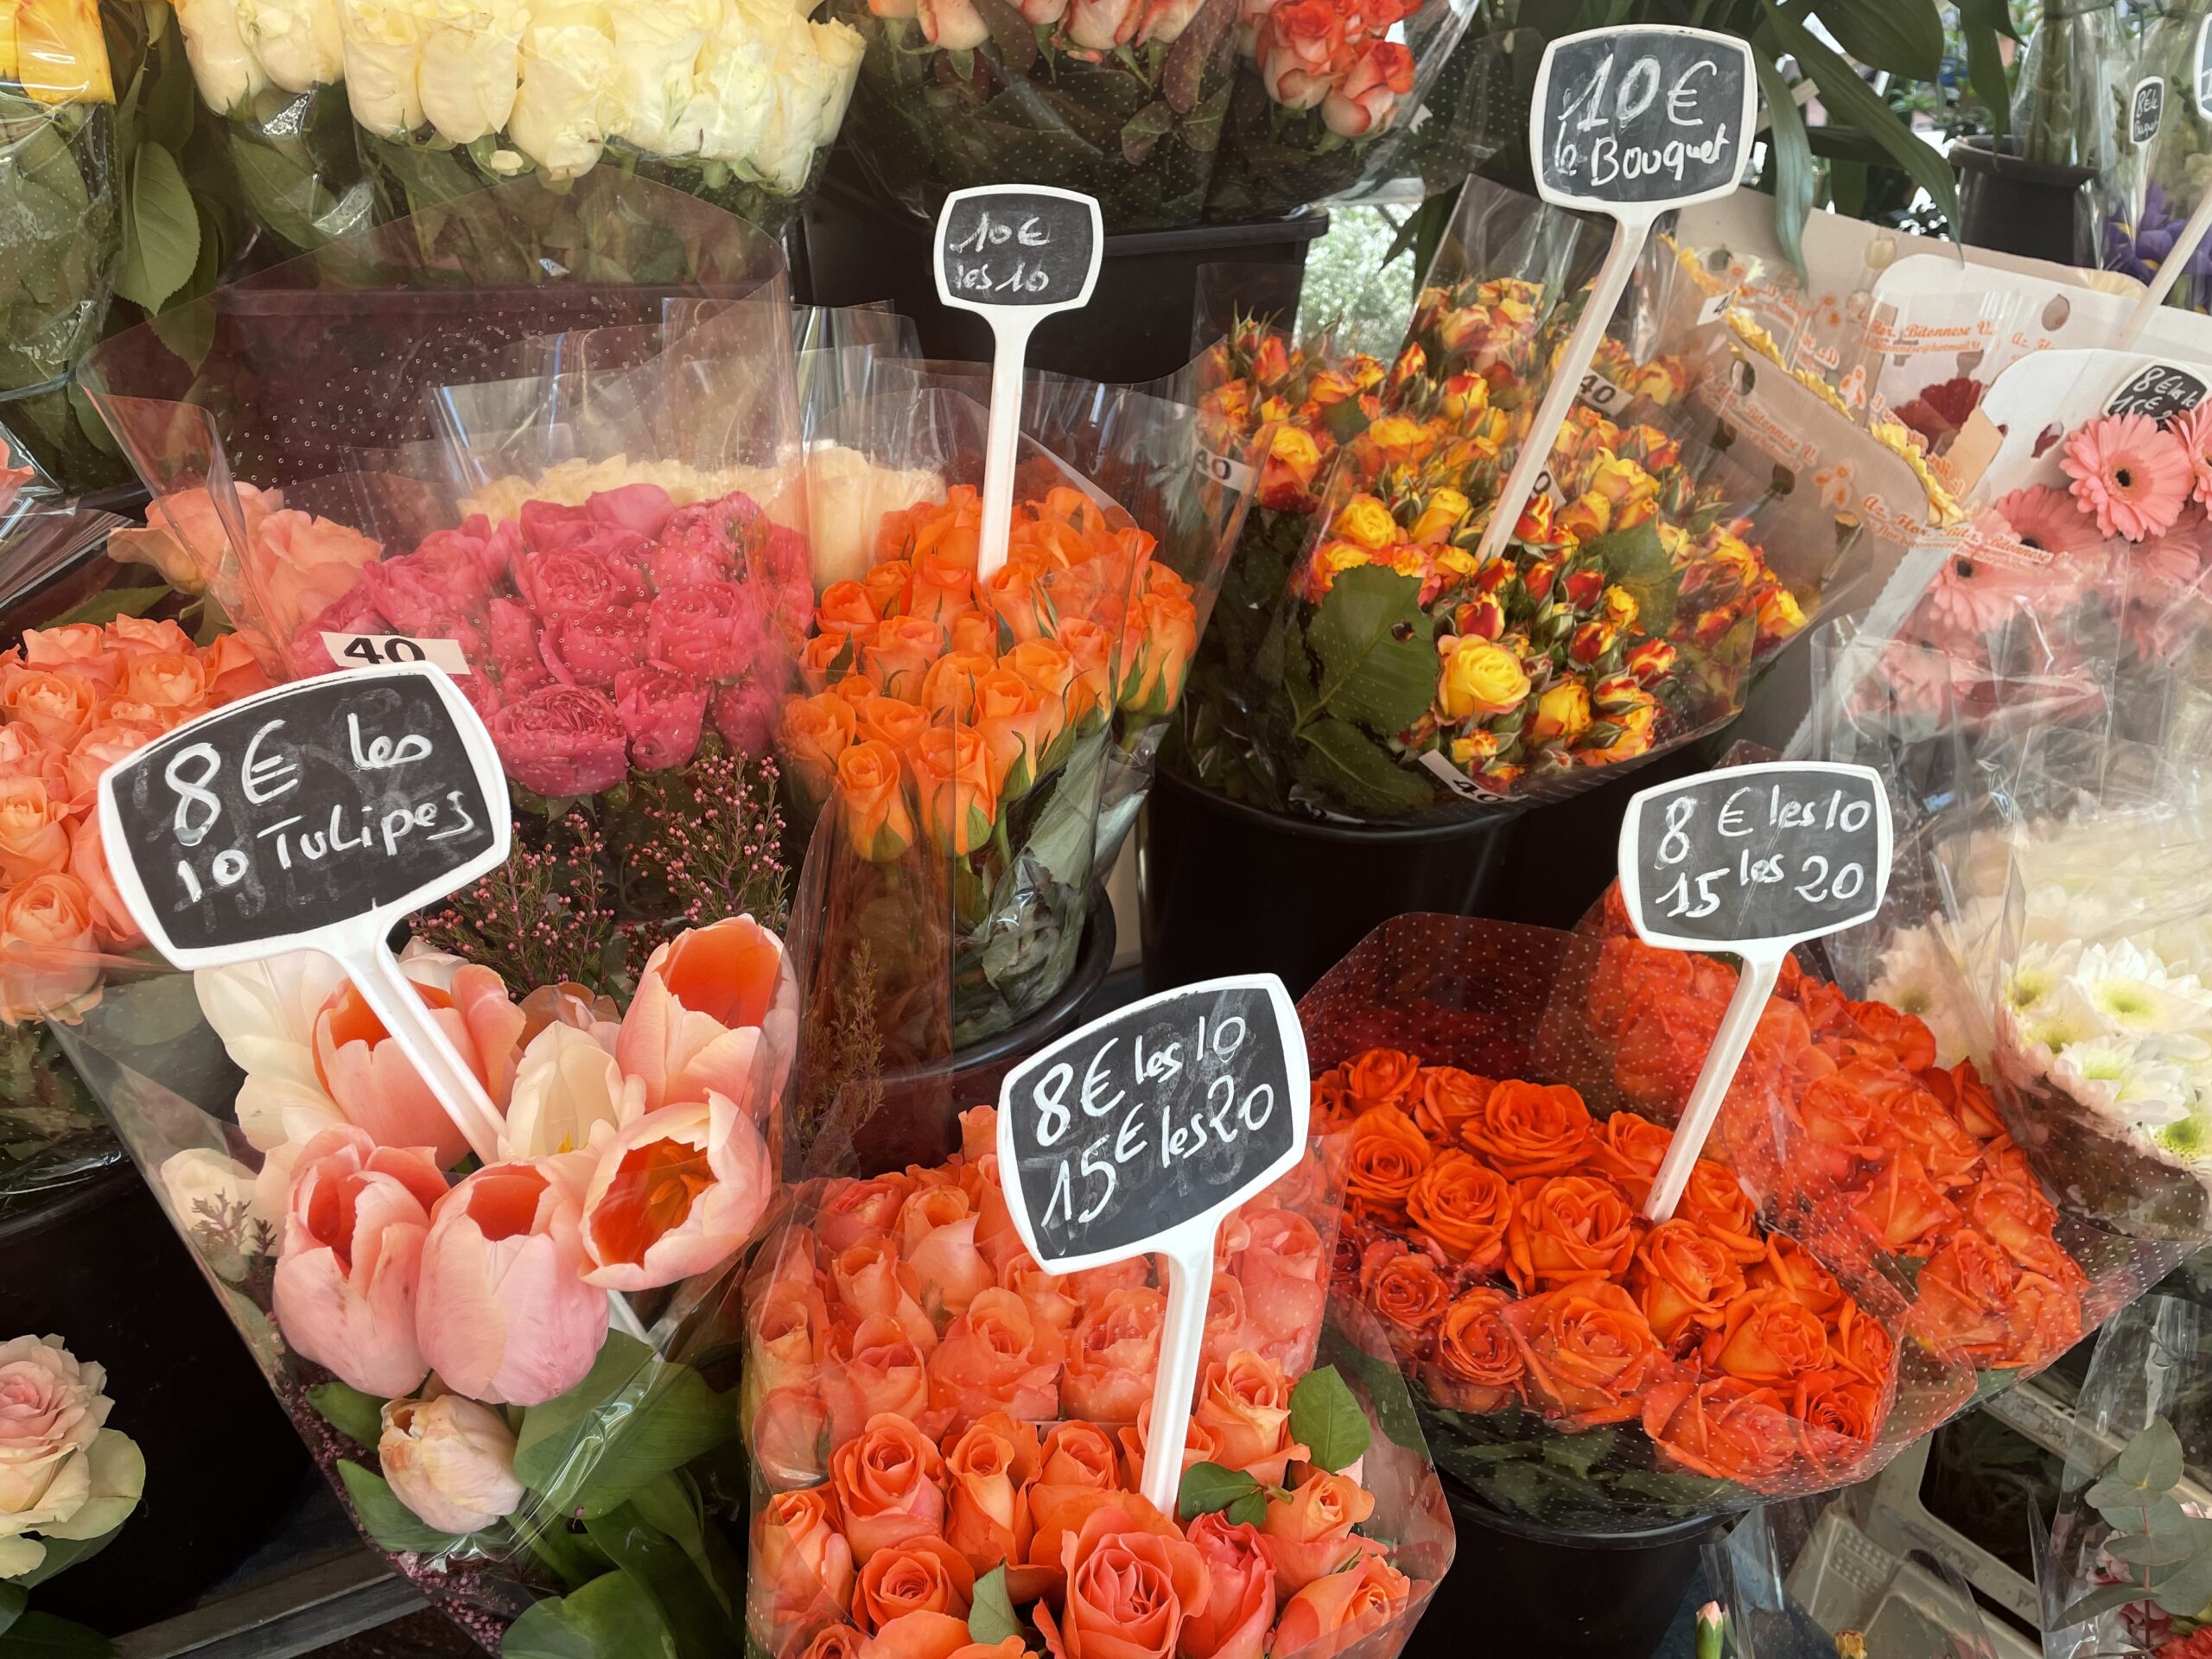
(677,1192)
(717,1010)
(346,1277)
(375,1085)
(504,1314)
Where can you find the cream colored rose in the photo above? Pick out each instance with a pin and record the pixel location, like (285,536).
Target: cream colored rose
(816,66)
(847,495)
(565,1084)
(223,65)
(736,93)
(384,52)
(568,101)
(472,64)
(62,1475)
(298,43)
(450,1460)
(657,48)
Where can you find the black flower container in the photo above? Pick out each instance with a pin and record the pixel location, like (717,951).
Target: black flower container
(2036,209)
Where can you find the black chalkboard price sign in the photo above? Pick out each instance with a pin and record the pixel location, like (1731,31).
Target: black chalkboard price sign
(1643,117)
(314,816)
(1137,1134)
(2146,106)
(2162,390)
(1026,244)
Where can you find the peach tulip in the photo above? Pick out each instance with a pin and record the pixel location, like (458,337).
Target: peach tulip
(451,1461)
(504,1314)
(352,1251)
(375,1085)
(716,1012)
(678,1192)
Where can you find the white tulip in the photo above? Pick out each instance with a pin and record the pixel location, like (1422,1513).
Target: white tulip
(566,1083)
(383,51)
(658,45)
(472,65)
(222,63)
(297,43)
(568,101)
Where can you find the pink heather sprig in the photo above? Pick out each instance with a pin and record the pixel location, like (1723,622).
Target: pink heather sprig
(711,835)
(544,918)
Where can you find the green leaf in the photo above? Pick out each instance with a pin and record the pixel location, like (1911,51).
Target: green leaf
(161,231)
(991,1617)
(1985,24)
(2152,1462)
(697,1619)
(612,1617)
(41,1636)
(671,1505)
(1355,771)
(2151,1549)
(1208,1486)
(2186,1592)
(1637,560)
(1903,36)
(109,603)
(1850,99)
(632,1419)
(2103,1600)
(389,1522)
(1793,161)
(358,1416)
(1378,662)
(1328,1421)
(1249,1510)
(14,1598)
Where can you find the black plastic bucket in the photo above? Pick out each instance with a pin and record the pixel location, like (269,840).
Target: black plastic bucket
(1532,1590)
(103,1269)
(2035,209)
(1225,888)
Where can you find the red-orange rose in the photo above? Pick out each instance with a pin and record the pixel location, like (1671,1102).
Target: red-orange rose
(1629,1149)
(1716,1200)
(1382,1077)
(1566,1228)
(1588,1352)
(1768,1337)
(1462,1205)
(1683,1280)
(1240,1604)
(1528,1129)
(1725,1428)
(889,1482)
(1840,1413)
(1905,1212)
(1447,1097)
(1387,1156)
(1791,1268)
(922,1575)
(1406,1292)
(1478,1366)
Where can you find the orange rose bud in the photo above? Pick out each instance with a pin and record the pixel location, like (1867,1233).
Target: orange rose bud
(846,608)
(1091,646)
(1650,660)
(1788,1265)
(828,659)
(1716,1200)
(1308,1533)
(898,655)
(1477,1366)
(1157,644)
(1838,1413)
(1481,618)
(871,782)
(816,731)
(1528,1129)
(886,587)
(952,777)
(1016,728)
(919,1575)
(974,634)
(891,720)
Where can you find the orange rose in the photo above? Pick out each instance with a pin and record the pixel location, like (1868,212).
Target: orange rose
(1382,1077)
(846,607)
(1011,718)
(829,659)
(1788,1265)
(995,1358)
(886,587)
(1245,1403)
(889,1484)
(57,706)
(1843,1116)
(1974,1303)
(1629,1149)
(872,784)
(790,1328)
(1225,1318)
(991,1466)
(789,1437)
(33,828)
(1079,1458)
(81,647)
(1387,1156)
(1014,595)
(1046,664)
(1478,1365)
(897,656)
(1112,1356)
(948,688)
(975,633)
(1903,1212)
(1587,1351)
(918,1575)
(1445,1097)
(843,1642)
(1132,1579)
(872,1371)
(1090,644)
(1240,1605)
(941,587)
(1200,1445)
(100,747)
(1724,1428)
(1920,1124)
(1861,1345)
(937,1239)
(1663,1041)
(46,941)
(891,720)
(952,775)
(1158,641)
(172,681)
(871,1281)
(802,1573)
(1463,1206)
(1567,1228)
(1768,1338)
(1529,1129)
(1308,1532)
(112,920)
(1286,1285)
(1052,1304)
(1905,1035)
(1406,1294)
(1332,1614)
(815,730)
(1716,1201)
(1839,1414)
(2018,1221)
(931,1635)
(1684,1279)
(853,1211)
(1962,1091)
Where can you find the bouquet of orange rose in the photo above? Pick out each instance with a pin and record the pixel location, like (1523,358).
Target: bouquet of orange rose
(513,1368)
(1574,1362)
(947,1440)
(1372,663)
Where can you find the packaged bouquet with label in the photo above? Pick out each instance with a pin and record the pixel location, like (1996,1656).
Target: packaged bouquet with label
(585,500)
(1372,664)
(947,1441)
(733,103)
(1576,1363)
(970,731)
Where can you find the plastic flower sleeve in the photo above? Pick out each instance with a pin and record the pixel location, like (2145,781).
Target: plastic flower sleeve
(520,1377)
(1572,1364)
(945,1440)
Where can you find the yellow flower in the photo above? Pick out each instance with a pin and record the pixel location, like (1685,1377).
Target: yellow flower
(1780,615)
(1446,508)
(1620,607)
(56,51)
(1563,712)
(1409,562)
(1474,751)
(1588,515)
(1459,561)
(1736,556)
(1620,480)
(1366,521)
(1478,677)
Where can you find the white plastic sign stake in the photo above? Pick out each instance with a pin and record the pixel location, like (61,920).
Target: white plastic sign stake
(1137,1135)
(1015,254)
(313,817)
(1631,123)
(2200,218)
(1752,861)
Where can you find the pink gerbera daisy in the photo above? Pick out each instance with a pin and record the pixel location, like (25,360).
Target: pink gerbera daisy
(2193,430)
(2041,516)
(1972,594)
(2131,475)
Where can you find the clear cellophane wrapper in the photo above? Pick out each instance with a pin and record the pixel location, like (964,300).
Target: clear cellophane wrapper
(893,1306)
(564,1471)
(1367,665)
(1505,1117)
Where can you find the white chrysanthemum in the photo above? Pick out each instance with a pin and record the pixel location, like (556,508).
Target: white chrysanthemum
(1921,976)
(2133,990)
(2128,1078)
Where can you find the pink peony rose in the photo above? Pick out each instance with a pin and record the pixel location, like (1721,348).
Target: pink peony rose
(517,656)
(445,584)
(663,711)
(562,740)
(598,571)
(745,713)
(709,630)
(641,509)
(594,644)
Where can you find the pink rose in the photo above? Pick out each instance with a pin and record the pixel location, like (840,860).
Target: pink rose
(716,1010)
(549,524)
(110,917)
(599,570)
(676,1193)
(663,711)
(1241,1607)
(352,612)
(745,713)
(640,509)
(726,532)
(709,630)
(597,643)
(344,1295)
(503,1313)
(447,581)
(517,656)
(563,740)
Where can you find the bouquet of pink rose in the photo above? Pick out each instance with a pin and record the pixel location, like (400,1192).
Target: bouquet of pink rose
(516,1371)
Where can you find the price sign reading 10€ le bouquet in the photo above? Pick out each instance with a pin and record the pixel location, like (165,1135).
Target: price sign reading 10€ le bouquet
(1750,862)
(1137,1135)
